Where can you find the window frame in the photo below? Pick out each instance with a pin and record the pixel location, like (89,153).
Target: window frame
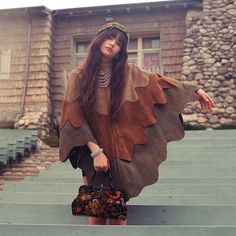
(74,40)
(140,50)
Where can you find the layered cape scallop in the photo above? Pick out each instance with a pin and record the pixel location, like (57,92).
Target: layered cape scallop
(135,143)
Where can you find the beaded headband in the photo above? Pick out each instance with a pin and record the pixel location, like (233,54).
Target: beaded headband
(116,25)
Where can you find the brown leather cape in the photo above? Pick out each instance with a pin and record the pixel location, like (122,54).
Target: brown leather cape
(135,143)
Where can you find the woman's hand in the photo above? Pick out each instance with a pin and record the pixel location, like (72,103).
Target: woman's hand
(101,163)
(205,100)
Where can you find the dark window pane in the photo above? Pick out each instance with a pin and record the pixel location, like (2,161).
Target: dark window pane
(132,58)
(132,44)
(151,43)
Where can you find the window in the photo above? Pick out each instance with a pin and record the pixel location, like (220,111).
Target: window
(80,52)
(145,52)
(5,64)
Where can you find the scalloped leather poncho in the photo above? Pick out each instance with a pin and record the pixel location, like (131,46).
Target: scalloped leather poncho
(135,143)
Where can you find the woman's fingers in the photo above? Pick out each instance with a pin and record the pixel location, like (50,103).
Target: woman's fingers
(97,169)
(101,163)
(209,101)
(205,100)
(101,168)
(204,106)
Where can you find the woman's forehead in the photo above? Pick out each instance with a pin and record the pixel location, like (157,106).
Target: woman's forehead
(117,35)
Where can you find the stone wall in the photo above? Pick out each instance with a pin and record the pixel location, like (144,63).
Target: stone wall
(209,60)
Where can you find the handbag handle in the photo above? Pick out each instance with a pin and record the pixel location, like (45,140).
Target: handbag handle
(110,177)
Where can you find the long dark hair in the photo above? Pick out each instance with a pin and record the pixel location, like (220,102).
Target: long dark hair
(91,68)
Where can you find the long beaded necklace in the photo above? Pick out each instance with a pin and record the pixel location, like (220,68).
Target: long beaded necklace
(104,77)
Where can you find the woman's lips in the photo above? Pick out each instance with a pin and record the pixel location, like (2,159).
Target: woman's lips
(108,49)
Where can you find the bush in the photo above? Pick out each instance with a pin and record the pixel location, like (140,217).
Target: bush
(225,126)
(52,141)
(188,126)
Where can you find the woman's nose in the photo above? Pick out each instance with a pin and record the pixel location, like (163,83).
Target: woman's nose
(112,42)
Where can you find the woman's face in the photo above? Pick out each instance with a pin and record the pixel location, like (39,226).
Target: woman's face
(110,48)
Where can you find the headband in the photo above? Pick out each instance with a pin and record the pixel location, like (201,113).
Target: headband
(114,25)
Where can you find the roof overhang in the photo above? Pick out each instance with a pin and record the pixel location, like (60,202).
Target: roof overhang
(128,8)
(39,10)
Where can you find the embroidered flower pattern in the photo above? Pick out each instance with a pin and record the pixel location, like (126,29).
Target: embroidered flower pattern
(104,203)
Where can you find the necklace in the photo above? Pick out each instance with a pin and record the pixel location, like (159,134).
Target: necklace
(104,77)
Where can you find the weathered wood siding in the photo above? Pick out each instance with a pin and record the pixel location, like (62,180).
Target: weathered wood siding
(13,37)
(14,31)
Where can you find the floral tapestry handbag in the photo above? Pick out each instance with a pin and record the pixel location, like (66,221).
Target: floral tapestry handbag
(105,202)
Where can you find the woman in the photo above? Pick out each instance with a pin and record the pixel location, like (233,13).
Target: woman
(121,115)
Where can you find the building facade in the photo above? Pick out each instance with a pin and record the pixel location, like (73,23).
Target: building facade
(192,41)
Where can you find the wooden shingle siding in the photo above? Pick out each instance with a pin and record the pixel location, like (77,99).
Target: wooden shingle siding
(5,84)
(39,67)
(16,29)
(13,37)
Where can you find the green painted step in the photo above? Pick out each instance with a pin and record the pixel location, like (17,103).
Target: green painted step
(196,188)
(203,163)
(214,157)
(204,151)
(169,163)
(210,133)
(186,169)
(142,199)
(193,189)
(161,180)
(165,172)
(181,165)
(53,180)
(184,200)
(14,143)
(198,144)
(102,230)
(137,215)
(176,162)
(203,143)
(201,136)
(167,167)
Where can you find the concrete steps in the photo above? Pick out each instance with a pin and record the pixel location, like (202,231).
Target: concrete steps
(195,195)
(186,188)
(30,166)
(137,230)
(138,215)
(16,143)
